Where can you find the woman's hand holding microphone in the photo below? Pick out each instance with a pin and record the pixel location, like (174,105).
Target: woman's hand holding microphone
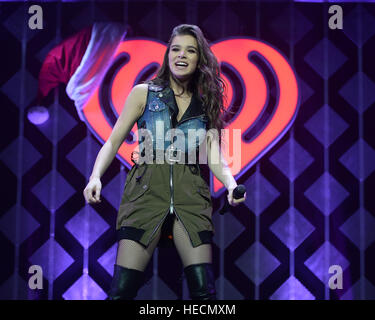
(236,195)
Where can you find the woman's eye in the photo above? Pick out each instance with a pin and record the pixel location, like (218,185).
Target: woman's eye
(177,49)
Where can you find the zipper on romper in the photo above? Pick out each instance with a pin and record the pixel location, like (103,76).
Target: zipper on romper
(157,227)
(171,205)
(171,208)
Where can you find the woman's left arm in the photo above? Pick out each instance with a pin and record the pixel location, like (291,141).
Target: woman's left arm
(219,167)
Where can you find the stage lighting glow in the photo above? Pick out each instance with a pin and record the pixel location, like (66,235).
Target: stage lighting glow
(38,115)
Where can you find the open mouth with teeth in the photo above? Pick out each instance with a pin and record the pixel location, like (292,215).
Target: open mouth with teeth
(181,65)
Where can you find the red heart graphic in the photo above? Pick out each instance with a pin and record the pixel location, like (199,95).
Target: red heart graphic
(262,122)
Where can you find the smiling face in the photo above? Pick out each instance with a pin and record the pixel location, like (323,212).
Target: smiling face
(183,57)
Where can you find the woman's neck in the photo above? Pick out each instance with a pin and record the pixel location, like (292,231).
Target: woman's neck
(179,88)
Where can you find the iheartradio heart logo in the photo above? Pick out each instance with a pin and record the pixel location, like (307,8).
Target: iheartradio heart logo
(262,93)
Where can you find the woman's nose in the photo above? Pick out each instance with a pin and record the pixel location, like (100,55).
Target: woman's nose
(181,53)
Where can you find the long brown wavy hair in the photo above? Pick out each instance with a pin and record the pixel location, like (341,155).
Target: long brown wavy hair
(206,80)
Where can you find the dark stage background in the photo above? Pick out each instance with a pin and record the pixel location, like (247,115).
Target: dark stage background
(309,203)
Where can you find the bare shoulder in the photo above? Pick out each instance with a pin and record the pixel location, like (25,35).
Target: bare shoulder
(140,89)
(138,95)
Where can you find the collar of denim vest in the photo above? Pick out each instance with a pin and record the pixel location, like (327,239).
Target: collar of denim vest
(194,109)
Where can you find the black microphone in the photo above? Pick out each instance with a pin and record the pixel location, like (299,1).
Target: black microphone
(238,193)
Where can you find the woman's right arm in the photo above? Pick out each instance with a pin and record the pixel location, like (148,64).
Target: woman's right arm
(131,112)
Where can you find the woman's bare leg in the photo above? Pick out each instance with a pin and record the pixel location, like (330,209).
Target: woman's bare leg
(197,264)
(132,255)
(132,260)
(188,254)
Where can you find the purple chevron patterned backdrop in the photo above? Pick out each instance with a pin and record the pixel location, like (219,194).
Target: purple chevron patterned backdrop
(309,202)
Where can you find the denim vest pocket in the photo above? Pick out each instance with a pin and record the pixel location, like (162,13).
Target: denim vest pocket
(156,105)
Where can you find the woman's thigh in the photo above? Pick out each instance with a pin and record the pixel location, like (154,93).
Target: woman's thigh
(132,255)
(188,254)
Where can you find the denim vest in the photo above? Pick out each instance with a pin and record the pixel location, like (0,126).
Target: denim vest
(160,116)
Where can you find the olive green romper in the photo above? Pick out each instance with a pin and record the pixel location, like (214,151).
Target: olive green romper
(155,192)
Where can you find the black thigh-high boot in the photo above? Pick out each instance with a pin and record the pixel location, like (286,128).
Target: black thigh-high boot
(125,283)
(201,281)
